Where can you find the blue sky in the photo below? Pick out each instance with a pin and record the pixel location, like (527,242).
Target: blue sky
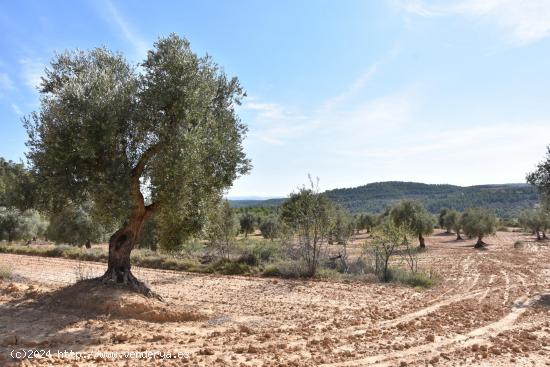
(353,92)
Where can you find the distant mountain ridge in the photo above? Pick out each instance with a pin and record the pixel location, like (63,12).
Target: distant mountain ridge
(506,200)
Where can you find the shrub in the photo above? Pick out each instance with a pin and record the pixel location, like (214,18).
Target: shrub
(267,252)
(289,269)
(310,215)
(518,245)
(416,279)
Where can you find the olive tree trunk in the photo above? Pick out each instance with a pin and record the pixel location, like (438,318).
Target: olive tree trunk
(123,241)
(479,243)
(421,241)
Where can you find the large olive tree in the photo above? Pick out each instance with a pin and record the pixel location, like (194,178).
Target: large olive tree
(162,137)
(477,222)
(412,215)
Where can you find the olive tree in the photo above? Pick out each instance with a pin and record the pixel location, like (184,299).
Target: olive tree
(247,222)
(269,227)
(386,241)
(451,221)
(478,223)
(160,138)
(75,226)
(309,214)
(222,228)
(536,221)
(413,216)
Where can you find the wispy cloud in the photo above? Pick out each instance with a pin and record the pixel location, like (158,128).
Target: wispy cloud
(132,37)
(31,72)
(16,109)
(523,22)
(357,86)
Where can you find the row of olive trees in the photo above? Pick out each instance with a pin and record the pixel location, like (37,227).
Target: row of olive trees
(474,222)
(72,225)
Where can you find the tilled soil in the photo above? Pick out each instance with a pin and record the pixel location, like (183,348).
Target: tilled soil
(491,308)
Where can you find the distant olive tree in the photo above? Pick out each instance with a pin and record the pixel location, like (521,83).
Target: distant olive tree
(247,222)
(269,227)
(17,225)
(75,226)
(163,137)
(309,215)
(451,221)
(441,219)
(478,223)
(537,221)
(222,228)
(413,216)
(386,240)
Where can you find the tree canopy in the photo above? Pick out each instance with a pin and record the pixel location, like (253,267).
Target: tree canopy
(412,215)
(162,137)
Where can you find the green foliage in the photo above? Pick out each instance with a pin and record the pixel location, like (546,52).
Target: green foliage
(536,221)
(367,222)
(344,227)
(32,224)
(247,223)
(269,227)
(221,229)
(17,186)
(74,225)
(451,220)
(413,216)
(105,128)
(540,177)
(478,223)
(384,243)
(17,225)
(310,216)
(416,279)
(148,234)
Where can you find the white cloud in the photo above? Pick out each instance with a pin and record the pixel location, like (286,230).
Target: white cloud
(16,109)
(131,36)
(523,21)
(31,72)
(356,87)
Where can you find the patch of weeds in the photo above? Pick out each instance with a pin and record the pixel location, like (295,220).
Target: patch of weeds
(5,272)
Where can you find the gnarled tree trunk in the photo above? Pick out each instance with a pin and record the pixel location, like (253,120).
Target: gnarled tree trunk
(122,242)
(458,236)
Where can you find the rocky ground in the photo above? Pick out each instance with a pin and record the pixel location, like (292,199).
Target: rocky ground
(491,308)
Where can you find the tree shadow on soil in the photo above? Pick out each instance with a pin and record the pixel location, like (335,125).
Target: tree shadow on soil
(66,318)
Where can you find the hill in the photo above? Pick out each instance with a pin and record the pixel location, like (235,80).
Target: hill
(506,200)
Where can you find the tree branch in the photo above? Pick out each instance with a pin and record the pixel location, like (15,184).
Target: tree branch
(145,157)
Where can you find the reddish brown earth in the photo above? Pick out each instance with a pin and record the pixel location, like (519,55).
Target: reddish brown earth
(491,308)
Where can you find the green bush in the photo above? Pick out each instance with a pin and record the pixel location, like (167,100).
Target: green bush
(289,269)
(518,245)
(418,279)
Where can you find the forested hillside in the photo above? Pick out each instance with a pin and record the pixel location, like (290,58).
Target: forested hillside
(506,200)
